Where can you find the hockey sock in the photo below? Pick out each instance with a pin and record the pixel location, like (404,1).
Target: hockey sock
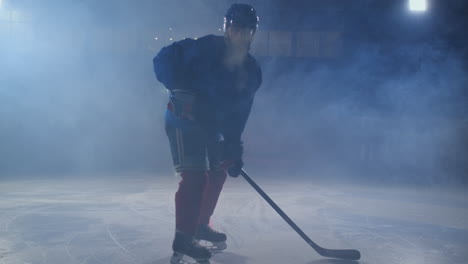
(213,189)
(188,200)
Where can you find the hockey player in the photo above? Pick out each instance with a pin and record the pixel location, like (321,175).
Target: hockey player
(212,82)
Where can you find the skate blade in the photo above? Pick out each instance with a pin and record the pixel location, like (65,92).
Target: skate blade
(214,247)
(179,258)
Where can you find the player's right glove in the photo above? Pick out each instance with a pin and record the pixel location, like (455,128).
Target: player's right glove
(236,169)
(232,156)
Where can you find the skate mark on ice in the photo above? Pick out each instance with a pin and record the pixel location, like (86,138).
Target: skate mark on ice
(232,240)
(160,218)
(67,249)
(166,207)
(85,259)
(22,214)
(115,240)
(389,242)
(374,235)
(7,226)
(252,216)
(43,253)
(229,257)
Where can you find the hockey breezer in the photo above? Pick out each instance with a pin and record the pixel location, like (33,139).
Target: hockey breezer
(348,254)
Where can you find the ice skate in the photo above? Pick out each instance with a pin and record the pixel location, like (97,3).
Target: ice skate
(185,246)
(216,240)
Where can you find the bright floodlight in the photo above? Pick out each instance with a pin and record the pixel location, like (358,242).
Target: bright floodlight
(418,5)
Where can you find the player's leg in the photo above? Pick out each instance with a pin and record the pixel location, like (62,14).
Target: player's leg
(216,180)
(189,156)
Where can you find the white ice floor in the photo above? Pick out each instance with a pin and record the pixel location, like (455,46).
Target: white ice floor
(131,220)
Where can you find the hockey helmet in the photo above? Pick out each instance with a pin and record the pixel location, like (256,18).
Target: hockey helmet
(241,15)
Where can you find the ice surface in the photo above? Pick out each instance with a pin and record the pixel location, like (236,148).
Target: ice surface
(131,220)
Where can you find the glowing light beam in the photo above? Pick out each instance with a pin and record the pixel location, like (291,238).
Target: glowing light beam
(418,5)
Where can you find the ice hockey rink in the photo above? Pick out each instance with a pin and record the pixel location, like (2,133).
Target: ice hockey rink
(130,219)
(359,130)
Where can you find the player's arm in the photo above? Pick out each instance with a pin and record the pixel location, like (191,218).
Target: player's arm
(233,130)
(235,126)
(171,64)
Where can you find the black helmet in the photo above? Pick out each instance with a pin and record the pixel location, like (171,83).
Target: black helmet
(241,15)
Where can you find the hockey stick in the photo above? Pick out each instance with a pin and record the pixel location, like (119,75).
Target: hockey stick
(348,254)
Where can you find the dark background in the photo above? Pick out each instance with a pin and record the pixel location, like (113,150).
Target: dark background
(361,90)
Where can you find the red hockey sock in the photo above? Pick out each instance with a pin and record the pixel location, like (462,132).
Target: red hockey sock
(188,200)
(214,186)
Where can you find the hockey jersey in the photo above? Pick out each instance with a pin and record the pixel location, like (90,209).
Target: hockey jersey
(225,96)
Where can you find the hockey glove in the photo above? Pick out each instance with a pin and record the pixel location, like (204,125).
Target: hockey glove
(233,158)
(236,168)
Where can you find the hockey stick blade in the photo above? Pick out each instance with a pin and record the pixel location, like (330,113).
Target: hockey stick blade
(348,254)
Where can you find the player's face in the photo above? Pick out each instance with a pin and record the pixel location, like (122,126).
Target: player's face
(240,36)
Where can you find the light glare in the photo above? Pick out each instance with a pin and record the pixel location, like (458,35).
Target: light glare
(418,5)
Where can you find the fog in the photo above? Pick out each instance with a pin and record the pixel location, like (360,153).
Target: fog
(386,102)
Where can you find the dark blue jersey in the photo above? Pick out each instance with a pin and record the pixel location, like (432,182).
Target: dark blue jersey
(226,96)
